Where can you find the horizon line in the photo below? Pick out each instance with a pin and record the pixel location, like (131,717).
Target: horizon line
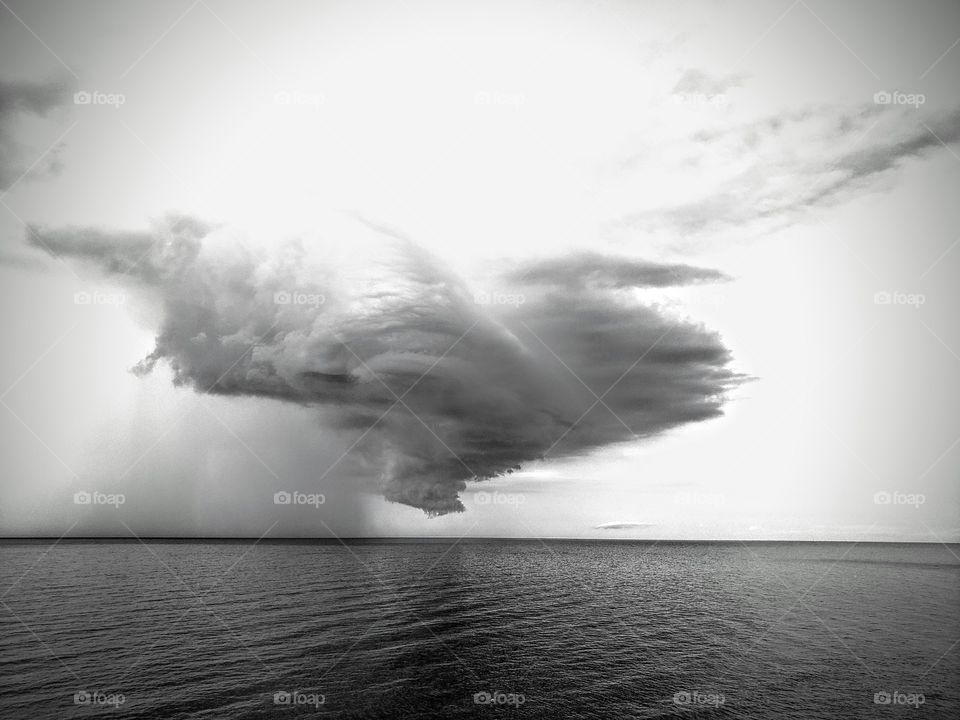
(443,538)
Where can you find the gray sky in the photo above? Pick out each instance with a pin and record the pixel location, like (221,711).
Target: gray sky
(698,258)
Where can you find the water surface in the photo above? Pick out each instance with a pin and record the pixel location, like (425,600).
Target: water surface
(555,629)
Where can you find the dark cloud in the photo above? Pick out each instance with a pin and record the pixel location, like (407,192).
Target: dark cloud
(592,270)
(18,99)
(35,98)
(438,389)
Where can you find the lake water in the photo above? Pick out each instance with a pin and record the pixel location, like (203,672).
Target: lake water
(555,629)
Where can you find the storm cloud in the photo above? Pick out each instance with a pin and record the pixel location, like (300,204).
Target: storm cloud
(439,385)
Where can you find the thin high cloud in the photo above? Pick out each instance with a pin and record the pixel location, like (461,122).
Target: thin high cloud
(769,171)
(19,100)
(700,82)
(437,388)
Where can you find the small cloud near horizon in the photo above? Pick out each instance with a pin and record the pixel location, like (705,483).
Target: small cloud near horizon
(623,526)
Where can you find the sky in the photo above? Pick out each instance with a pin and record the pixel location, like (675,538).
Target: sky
(648,270)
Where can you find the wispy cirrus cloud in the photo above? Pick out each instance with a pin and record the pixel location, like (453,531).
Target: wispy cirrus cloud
(765,172)
(696,81)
